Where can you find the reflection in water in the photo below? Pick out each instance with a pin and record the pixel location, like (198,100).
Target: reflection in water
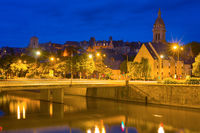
(24,112)
(18,112)
(21,106)
(122,126)
(94,116)
(161,128)
(89,131)
(51,109)
(103,130)
(96,129)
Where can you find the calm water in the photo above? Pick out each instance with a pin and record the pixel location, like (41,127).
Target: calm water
(19,114)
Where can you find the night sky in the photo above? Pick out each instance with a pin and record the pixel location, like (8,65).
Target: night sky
(76,20)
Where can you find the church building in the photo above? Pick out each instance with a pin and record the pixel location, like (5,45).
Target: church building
(162,63)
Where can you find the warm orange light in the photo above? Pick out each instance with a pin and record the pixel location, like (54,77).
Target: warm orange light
(175,47)
(103,130)
(89,131)
(38,53)
(161,129)
(161,56)
(20,61)
(90,56)
(18,112)
(181,48)
(52,59)
(98,54)
(104,55)
(51,109)
(96,130)
(24,112)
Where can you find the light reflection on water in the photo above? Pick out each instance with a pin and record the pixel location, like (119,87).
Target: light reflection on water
(86,115)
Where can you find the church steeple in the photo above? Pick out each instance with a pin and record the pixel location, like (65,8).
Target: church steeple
(159,29)
(159,13)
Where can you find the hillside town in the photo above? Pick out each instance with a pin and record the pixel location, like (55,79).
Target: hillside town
(101,59)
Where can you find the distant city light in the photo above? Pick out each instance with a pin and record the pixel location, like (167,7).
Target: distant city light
(161,56)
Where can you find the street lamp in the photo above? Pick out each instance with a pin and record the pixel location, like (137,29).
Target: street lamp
(98,54)
(38,53)
(90,56)
(52,59)
(162,57)
(178,48)
(20,61)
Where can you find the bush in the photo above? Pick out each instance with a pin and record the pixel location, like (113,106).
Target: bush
(2,77)
(193,81)
(172,81)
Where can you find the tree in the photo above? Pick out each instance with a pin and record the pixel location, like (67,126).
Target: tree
(140,70)
(145,68)
(19,69)
(134,70)
(84,65)
(196,66)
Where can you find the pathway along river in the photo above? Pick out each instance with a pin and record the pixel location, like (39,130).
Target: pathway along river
(20,112)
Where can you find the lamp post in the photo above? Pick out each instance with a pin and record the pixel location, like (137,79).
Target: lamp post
(177,48)
(38,53)
(162,57)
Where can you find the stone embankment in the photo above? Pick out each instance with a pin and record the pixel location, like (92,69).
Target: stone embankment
(174,95)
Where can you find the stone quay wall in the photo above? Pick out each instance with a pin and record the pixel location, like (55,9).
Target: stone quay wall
(173,95)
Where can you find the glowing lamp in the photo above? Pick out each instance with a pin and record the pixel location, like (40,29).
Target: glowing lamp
(90,56)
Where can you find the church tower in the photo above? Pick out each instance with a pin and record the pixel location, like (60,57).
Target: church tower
(34,42)
(159,30)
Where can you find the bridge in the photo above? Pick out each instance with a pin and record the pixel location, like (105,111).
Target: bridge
(56,88)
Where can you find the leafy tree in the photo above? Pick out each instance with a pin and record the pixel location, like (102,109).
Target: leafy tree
(19,69)
(145,68)
(85,65)
(139,70)
(134,70)
(196,66)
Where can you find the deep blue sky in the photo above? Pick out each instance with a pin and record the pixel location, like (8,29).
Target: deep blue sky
(77,20)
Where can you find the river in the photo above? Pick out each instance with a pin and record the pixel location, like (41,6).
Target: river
(22,112)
